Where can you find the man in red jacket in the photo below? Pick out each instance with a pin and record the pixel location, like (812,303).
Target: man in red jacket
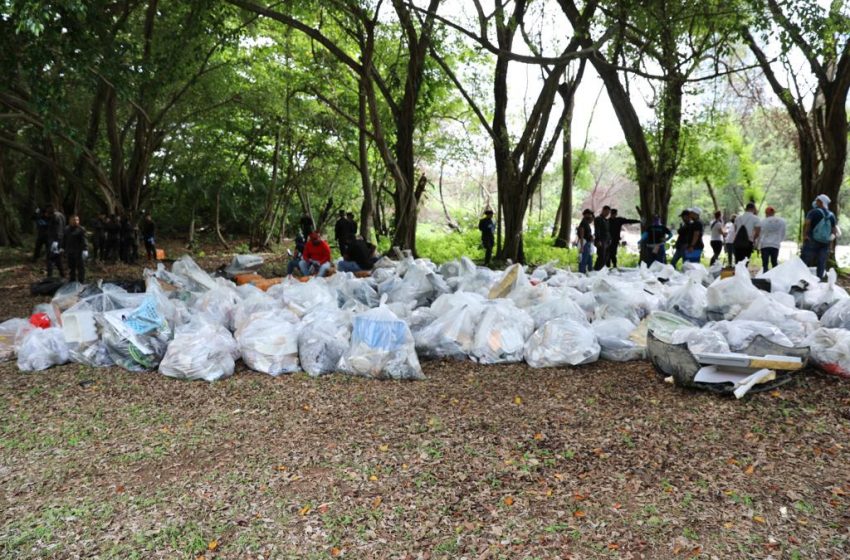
(316,257)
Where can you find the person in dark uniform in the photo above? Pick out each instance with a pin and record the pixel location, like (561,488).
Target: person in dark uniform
(99,226)
(42,221)
(113,237)
(584,232)
(488,238)
(125,233)
(352,225)
(341,232)
(307,226)
(359,256)
(76,250)
(149,236)
(55,233)
(653,242)
(602,237)
(682,238)
(615,224)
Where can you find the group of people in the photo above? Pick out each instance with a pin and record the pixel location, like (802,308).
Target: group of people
(115,237)
(601,234)
(313,252)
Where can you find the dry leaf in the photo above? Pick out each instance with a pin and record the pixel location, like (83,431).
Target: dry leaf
(376,502)
(509,501)
(323,508)
(613,546)
(119,488)
(538,436)
(517,400)
(373,478)
(384,448)
(579,513)
(304,511)
(750,469)
(212,545)
(758,519)
(336,551)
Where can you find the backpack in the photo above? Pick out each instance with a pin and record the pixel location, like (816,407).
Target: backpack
(742,238)
(822,232)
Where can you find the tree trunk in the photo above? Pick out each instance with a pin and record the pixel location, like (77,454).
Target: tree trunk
(218,220)
(10,232)
(565,207)
(191,243)
(367,209)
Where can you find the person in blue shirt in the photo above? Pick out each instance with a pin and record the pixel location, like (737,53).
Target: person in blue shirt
(815,252)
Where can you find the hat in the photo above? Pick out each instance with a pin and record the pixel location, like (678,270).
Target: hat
(587,211)
(696,210)
(488,212)
(685,212)
(823,198)
(314,236)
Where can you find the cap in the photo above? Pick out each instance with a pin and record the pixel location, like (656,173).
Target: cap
(696,210)
(823,198)
(488,212)
(685,212)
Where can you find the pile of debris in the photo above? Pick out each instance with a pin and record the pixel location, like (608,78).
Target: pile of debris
(189,324)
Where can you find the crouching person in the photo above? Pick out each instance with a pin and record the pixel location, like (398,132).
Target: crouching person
(358,256)
(76,250)
(316,257)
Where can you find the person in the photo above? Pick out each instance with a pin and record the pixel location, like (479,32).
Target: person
(316,257)
(341,231)
(307,225)
(113,237)
(729,239)
(681,237)
(352,225)
(359,256)
(747,231)
(585,241)
(149,236)
(42,221)
(771,238)
(716,242)
(55,233)
(76,250)
(295,259)
(693,251)
(125,233)
(816,240)
(602,237)
(99,226)
(488,237)
(615,224)
(654,242)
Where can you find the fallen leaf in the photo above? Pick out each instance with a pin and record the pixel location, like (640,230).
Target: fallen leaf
(613,546)
(336,551)
(758,519)
(618,505)
(731,461)
(579,513)
(517,400)
(750,470)
(538,436)
(212,545)
(376,502)
(373,478)
(119,488)
(281,467)
(509,501)
(304,511)
(323,508)
(384,448)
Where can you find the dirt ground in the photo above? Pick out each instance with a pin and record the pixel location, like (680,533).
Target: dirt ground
(601,461)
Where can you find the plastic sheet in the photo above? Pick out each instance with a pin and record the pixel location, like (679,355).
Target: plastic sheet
(382,347)
(39,349)
(501,333)
(269,344)
(243,264)
(562,342)
(324,337)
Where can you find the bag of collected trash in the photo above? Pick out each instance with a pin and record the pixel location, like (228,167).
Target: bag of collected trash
(303,297)
(613,336)
(739,334)
(562,342)
(200,350)
(243,264)
(382,347)
(830,350)
(726,297)
(501,333)
(66,297)
(323,338)
(556,306)
(219,302)
(256,303)
(700,341)
(621,299)
(450,334)
(420,285)
(127,348)
(8,333)
(360,290)
(796,324)
(513,278)
(689,300)
(837,316)
(822,296)
(197,279)
(664,324)
(792,273)
(269,343)
(39,349)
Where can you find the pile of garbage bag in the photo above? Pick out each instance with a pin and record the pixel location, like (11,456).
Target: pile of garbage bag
(191,325)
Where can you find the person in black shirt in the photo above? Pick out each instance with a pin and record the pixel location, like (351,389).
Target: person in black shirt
(359,256)
(352,224)
(149,236)
(585,241)
(602,231)
(55,233)
(99,227)
(307,226)
(42,221)
(615,224)
(76,250)
(653,242)
(341,231)
(682,238)
(488,239)
(113,237)
(693,250)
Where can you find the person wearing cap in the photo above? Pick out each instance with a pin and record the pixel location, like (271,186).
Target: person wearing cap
(716,229)
(316,257)
(653,242)
(615,224)
(488,237)
(681,237)
(815,251)
(585,241)
(747,231)
(602,237)
(729,239)
(693,251)
(771,238)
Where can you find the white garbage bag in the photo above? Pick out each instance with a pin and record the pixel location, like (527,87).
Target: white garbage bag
(726,297)
(820,297)
(501,333)
(324,337)
(420,285)
(201,350)
(243,264)
(556,306)
(188,269)
(303,297)
(796,324)
(257,303)
(837,316)
(451,333)
(268,343)
(700,341)
(8,333)
(739,334)
(663,325)
(220,303)
(830,350)
(689,300)
(788,274)
(39,349)
(382,347)
(562,342)
(614,338)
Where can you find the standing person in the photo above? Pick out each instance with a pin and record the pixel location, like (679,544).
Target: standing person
(307,225)
(602,236)
(488,235)
(771,238)
(819,232)
(316,257)
(99,227)
(616,224)
(149,236)
(729,239)
(693,251)
(716,237)
(113,237)
(42,222)
(747,231)
(76,249)
(55,233)
(681,237)
(341,231)
(585,241)
(352,225)
(125,233)
(654,242)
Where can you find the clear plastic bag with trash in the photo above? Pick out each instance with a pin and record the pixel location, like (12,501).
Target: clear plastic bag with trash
(192,276)
(501,333)
(220,302)
(323,338)
(420,284)
(837,316)
(451,333)
(127,348)
(562,342)
(739,334)
(8,334)
(269,343)
(614,339)
(796,324)
(700,341)
(726,297)
(255,304)
(39,349)
(243,264)
(556,305)
(201,350)
(689,300)
(382,347)
(303,297)
(830,350)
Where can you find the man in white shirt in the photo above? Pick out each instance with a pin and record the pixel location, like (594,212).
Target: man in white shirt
(729,239)
(772,236)
(716,237)
(747,230)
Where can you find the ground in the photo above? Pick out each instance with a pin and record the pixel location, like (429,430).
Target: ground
(601,461)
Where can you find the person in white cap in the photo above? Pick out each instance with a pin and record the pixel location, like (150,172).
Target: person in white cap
(693,251)
(818,233)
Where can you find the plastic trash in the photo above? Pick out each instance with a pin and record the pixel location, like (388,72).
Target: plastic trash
(302,297)
(8,333)
(663,325)
(513,278)
(220,303)
(40,320)
(613,336)
(821,297)
(243,264)
(739,334)
(127,348)
(562,342)
(195,278)
(837,316)
(689,300)
(726,297)
(700,341)
(324,337)
(830,350)
(257,303)
(792,273)
(268,343)
(557,305)
(382,347)
(39,349)
(200,350)
(420,285)
(451,332)
(501,333)
(796,324)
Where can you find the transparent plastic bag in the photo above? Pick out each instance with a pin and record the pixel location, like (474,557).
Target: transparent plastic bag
(501,333)
(303,297)
(243,264)
(324,337)
(382,347)
(268,343)
(125,347)
(220,303)
(689,300)
(419,284)
(837,316)
(451,333)
(194,277)
(557,305)
(257,303)
(39,349)
(789,274)
(726,297)
(796,324)
(701,341)
(8,333)
(663,325)
(614,339)
(739,334)
(200,350)
(830,350)
(562,342)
